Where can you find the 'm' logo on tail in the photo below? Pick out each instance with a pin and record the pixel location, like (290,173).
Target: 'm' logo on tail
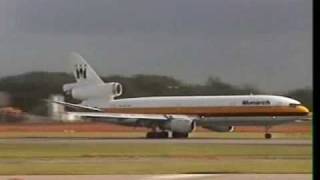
(81,71)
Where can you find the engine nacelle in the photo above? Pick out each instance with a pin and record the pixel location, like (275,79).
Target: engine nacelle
(180,125)
(85,92)
(219,128)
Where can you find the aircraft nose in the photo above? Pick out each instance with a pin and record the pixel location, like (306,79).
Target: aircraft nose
(303,109)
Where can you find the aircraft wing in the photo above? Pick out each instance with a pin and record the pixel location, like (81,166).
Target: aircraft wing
(119,115)
(75,106)
(145,120)
(142,120)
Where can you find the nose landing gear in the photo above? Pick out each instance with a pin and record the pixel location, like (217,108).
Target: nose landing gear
(267,134)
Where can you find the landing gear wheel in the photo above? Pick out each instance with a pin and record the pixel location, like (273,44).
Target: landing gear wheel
(179,135)
(151,135)
(163,134)
(268,136)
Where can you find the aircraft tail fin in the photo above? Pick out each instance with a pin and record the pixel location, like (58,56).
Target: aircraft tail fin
(82,71)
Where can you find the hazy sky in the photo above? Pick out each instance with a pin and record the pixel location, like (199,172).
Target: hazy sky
(266,43)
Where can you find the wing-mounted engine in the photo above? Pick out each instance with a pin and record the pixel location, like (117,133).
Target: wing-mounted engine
(93,91)
(219,128)
(180,125)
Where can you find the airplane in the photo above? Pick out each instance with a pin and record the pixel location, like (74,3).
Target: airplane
(175,116)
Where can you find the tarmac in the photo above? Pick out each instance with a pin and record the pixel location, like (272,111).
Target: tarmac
(156,141)
(166,177)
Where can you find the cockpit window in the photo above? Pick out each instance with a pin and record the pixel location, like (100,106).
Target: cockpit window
(293,104)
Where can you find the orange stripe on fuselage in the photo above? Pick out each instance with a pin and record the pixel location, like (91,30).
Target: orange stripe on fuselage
(217,111)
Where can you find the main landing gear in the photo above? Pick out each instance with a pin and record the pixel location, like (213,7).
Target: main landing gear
(165,135)
(179,135)
(267,134)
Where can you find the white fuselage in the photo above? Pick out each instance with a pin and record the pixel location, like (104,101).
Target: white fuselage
(238,105)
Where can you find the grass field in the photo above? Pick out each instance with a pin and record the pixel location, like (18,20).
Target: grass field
(99,158)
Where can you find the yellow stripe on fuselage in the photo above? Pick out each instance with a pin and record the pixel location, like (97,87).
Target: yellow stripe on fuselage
(218,111)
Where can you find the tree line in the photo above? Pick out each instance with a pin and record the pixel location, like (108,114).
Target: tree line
(28,90)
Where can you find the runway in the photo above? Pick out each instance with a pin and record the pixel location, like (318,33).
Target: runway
(166,177)
(156,141)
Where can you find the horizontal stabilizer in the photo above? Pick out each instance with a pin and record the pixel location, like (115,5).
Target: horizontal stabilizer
(76,106)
